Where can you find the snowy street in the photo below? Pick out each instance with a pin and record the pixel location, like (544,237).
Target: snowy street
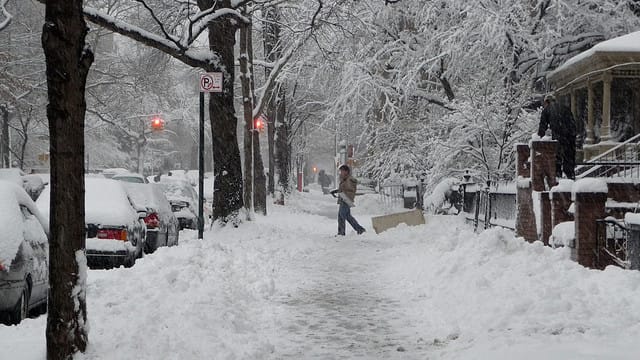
(282,287)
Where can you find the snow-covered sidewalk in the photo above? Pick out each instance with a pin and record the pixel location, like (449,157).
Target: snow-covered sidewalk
(282,287)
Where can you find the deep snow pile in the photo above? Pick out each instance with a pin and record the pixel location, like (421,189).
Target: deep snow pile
(284,287)
(493,296)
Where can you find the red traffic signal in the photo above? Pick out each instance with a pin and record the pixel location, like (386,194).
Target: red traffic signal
(157,123)
(258,124)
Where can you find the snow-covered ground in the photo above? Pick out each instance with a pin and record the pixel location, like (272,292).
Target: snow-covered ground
(282,287)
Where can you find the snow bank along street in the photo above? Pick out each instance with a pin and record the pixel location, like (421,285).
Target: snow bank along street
(283,287)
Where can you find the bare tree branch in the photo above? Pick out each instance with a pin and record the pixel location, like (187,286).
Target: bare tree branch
(7,16)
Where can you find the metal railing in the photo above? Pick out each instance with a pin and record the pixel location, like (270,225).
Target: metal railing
(622,160)
(485,209)
(611,243)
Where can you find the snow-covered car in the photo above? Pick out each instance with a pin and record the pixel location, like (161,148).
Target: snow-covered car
(31,183)
(109,173)
(162,225)
(131,178)
(184,201)
(24,255)
(115,230)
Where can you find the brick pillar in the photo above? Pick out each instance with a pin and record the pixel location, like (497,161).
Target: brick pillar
(590,197)
(545,216)
(522,161)
(543,164)
(561,202)
(525,218)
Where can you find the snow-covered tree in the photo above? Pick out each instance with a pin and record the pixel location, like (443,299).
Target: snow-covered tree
(429,85)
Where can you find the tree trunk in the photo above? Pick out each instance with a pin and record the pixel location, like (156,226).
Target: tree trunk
(260,181)
(283,148)
(271,137)
(25,137)
(271,35)
(260,193)
(227,166)
(275,108)
(4,141)
(67,63)
(247,106)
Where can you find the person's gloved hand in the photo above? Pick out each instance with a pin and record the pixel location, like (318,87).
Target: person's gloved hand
(334,191)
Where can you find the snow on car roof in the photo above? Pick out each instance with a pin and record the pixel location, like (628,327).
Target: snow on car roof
(12,174)
(178,189)
(12,221)
(106,202)
(149,196)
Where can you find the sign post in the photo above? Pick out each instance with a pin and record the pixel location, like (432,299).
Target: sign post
(209,83)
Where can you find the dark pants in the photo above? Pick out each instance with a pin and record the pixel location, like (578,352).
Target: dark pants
(566,159)
(344,213)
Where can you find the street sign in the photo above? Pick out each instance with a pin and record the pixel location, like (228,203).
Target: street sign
(211,82)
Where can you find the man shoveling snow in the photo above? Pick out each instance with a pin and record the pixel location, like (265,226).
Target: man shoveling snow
(346,196)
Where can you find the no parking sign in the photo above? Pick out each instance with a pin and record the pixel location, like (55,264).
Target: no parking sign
(211,82)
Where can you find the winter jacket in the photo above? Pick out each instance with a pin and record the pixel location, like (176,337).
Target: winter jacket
(348,186)
(560,120)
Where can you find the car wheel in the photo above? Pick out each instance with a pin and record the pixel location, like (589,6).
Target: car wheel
(21,310)
(130,262)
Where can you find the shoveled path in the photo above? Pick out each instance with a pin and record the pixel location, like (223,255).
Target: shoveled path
(334,307)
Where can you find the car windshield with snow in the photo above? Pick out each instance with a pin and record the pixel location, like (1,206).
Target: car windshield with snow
(24,251)
(115,232)
(184,201)
(162,224)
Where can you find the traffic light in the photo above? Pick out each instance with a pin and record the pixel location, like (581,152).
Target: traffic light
(258,124)
(157,124)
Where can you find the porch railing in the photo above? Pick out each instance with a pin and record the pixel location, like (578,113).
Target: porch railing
(611,243)
(622,160)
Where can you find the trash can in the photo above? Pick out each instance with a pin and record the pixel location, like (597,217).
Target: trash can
(410,195)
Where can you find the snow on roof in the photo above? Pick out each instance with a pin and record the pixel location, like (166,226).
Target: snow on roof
(590,185)
(106,202)
(12,223)
(625,43)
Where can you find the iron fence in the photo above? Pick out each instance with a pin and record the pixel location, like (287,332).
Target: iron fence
(484,207)
(611,243)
